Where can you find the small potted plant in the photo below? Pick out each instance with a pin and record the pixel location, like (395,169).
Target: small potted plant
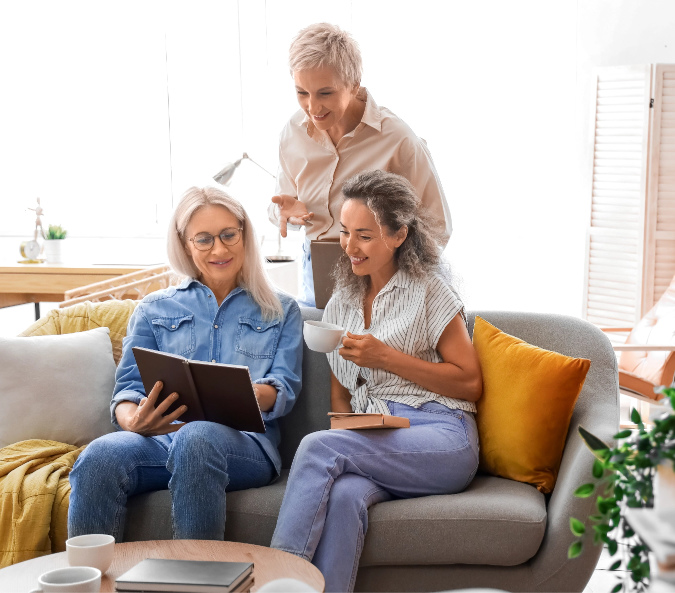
(625,477)
(53,239)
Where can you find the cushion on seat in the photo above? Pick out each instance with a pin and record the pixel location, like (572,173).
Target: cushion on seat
(56,388)
(494,521)
(528,398)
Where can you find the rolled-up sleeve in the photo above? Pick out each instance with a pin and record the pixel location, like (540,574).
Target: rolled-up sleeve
(128,384)
(285,374)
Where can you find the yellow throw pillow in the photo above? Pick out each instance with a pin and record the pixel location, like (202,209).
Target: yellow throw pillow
(525,410)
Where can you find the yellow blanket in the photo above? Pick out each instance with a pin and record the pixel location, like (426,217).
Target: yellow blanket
(34,496)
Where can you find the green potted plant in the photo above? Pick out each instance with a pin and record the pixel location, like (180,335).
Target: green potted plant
(625,478)
(53,238)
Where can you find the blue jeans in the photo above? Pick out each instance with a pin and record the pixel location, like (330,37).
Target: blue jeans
(198,464)
(337,474)
(306,297)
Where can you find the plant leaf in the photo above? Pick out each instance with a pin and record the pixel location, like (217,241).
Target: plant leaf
(593,443)
(612,546)
(584,491)
(617,588)
(624,434)
(577,527)
(615,565)
(575,550)
(634,416)
(598,469)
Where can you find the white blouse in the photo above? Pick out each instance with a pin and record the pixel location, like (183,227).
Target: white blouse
(314,170)
(409,315)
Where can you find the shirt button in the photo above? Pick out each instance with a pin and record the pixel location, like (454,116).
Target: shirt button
(173,327)
(214,360)
(209,296)
(215,326)
(258,327)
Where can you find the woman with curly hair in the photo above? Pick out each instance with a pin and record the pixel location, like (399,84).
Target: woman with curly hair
(407,352)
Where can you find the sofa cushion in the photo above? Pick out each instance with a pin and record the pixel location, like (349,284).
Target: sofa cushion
(528,398)
(56,388)
(494,521)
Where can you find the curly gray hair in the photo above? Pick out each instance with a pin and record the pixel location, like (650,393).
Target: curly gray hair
(395,204)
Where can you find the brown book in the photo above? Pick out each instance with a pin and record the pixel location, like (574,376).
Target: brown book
(363,421)
(212,391)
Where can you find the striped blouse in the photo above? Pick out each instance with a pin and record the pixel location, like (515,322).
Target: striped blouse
(409,315)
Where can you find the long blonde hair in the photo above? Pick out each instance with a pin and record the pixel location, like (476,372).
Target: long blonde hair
(252,276)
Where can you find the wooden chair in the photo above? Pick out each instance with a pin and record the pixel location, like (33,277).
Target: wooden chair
(648,356)
(128,286)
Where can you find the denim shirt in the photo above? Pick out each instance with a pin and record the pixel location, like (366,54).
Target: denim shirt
(187,320)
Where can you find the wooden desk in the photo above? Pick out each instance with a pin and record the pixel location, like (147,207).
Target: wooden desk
(268,564)
(36,283)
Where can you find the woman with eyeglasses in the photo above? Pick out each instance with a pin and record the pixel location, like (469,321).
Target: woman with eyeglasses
(225,311)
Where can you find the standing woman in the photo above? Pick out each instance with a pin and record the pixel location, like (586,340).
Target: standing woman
(407,353)
(224,311)
(338,132)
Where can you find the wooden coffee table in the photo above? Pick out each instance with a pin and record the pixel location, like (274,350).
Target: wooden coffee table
(269,564)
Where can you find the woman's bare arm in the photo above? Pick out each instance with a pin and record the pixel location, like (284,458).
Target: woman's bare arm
(458,376)
(339,396)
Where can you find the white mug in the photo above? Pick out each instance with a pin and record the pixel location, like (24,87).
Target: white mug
(321,336)
(95,550)
(72,579)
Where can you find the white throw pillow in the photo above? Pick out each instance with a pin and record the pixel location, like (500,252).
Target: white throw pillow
(56,387)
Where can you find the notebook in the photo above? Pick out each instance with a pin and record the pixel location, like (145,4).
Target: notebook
(324,257)
(343,420)
(190,576)
(211,391)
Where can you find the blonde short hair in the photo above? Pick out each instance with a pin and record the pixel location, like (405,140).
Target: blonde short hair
(324,44)
(252,276)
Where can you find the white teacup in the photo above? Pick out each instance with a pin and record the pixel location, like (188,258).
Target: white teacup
(95,550)
(72,579)
(321,336)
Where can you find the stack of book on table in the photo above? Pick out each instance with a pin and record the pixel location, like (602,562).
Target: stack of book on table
(659,536)
(187,576)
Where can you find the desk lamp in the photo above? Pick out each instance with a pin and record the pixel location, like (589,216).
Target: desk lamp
(225,175)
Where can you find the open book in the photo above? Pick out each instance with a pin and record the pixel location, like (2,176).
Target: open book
(362,421)
(211,391)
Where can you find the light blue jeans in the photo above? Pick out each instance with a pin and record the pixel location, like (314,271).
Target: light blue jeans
(306,297)
(337,474)
(198,464)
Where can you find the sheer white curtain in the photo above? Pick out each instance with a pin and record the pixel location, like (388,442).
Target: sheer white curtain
(110,110)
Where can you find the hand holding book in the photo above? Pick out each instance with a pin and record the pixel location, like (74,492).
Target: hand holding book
(147,418)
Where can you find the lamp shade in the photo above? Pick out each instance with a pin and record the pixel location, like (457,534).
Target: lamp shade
(226,173)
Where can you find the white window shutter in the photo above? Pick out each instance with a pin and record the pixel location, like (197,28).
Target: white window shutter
(613,289)
(659,260)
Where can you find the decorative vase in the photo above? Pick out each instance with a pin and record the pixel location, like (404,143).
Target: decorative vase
(664,492)
(53,251)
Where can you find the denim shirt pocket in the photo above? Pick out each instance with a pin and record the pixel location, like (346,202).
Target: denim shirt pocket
(175,334)
(257,338)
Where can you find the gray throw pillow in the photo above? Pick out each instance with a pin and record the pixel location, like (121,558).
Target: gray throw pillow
(56,388)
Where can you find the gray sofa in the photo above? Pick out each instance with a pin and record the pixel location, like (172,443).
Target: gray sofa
(497,534)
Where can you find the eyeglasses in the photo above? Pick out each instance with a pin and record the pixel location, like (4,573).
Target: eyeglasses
(205,241)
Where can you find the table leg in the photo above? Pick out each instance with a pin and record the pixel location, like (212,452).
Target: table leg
(37,311)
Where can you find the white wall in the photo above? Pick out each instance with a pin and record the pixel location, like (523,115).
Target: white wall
(491,85)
